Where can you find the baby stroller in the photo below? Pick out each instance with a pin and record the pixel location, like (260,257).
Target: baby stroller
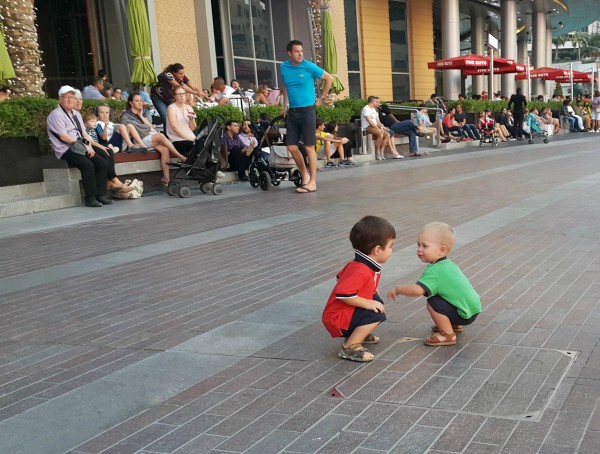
(201,164)
(487,131)
(271,161)
(533,129)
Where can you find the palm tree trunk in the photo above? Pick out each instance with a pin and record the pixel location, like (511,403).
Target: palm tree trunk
(20,33)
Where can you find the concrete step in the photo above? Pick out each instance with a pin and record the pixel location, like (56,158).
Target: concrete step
(35,204)
(8,193)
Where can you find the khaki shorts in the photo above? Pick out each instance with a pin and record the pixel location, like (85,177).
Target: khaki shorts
(375,132)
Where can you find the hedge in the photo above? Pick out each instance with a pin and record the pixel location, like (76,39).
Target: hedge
(23,117)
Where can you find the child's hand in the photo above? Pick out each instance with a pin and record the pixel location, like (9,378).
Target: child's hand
(376,306)
(392,294)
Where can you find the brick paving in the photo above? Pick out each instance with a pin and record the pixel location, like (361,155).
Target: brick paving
(193,326)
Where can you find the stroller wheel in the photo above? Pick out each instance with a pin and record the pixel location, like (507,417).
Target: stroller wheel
(265,180)
(297,177)
(184,192)
(217,189)
(172,189)
(253,176)
(276,182)
(206,187)
(530,141)
(546,140)
(481,143)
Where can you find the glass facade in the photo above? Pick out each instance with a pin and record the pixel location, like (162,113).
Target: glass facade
(399,44)
(352,48)
(256,45)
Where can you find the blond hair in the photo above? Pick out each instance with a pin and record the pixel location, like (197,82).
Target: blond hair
(442,233)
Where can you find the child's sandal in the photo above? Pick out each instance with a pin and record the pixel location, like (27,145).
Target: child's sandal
(456,328)
(371,339)
(440,339)
(355,352)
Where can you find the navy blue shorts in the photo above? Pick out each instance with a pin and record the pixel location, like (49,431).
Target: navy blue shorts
(363,317)
(300,125)
(441,306)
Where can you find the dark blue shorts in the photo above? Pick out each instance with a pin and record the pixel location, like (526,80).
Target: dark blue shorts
(441,306)
(300,125)
(363,317)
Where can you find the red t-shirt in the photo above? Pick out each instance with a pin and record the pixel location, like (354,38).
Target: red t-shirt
(448,120)
(358,278)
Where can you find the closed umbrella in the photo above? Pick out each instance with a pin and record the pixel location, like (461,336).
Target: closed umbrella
(140,46)
(330,61)
(6,68)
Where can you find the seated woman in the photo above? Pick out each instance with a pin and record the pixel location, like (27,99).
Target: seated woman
(506,121)
(341,145)
(425,126)
(584,111)
(261,96)
(181,122)
(134,115)
(549,120)
(111,134)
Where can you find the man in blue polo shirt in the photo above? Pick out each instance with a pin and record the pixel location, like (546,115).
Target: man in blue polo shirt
(298,77)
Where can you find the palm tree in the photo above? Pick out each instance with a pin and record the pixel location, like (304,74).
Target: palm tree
(559,41)
(20,34)
(579,40)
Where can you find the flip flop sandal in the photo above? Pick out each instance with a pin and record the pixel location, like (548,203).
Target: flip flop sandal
(355,352)
(456,328)
(440,339)
(371,339)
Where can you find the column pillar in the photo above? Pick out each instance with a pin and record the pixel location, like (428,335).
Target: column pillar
(522,57)
(538,48)
(451,46)
(509,42)
(493,81)
(548,93)
(477,47)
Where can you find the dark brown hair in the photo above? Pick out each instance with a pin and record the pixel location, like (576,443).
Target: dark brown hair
(369,232)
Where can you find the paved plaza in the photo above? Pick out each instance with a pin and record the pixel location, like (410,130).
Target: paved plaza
(187,326)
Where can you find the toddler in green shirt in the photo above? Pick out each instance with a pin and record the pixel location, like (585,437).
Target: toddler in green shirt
(451,299)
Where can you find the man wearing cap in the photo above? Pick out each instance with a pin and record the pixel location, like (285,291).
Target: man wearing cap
(65,127)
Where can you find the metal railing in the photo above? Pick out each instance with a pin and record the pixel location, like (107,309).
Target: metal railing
(439,115)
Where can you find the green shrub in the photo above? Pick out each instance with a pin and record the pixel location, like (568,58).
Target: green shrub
(222,113)
(340,115)
(15,121)
(271,111)
(354,104)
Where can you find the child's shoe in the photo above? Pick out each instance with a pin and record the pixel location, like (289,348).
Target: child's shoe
(456,328)
(371,339)
(441,338)
(356,352)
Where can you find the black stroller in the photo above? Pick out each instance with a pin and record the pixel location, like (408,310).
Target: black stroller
(276,165)
(201,164)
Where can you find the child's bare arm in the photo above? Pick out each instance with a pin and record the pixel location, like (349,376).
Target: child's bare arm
(365,303)
(406,290)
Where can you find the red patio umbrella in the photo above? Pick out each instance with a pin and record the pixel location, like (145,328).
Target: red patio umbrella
(578,77)
(548,73)
(469,61)
(514,68)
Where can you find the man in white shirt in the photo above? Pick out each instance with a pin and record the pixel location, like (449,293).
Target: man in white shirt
(224,91)
(369,121)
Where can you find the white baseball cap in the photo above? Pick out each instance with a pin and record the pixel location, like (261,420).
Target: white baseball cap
(66,89)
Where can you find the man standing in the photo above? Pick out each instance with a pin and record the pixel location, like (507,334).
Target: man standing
(520,102)
(64,129)
(298,77)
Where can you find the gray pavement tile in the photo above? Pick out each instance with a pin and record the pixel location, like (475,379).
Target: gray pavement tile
(528,437)
(371,418)
(437,418)
(481,448)
(139,439)
(388,434)
(344,442)
(410,383)
(590,442)
(200,444)
(274,442)
(461,392)
(252,433)
(350,407)
(179,436)
(310,414)
(495,431)
(417,440)
(330,427)
(459,433)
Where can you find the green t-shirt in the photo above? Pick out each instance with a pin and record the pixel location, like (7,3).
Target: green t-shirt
(444,278)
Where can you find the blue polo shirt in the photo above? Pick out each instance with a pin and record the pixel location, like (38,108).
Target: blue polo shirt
(299,82)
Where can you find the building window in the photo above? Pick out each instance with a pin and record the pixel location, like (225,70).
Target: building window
(398,39)
(352,48)
(249,44)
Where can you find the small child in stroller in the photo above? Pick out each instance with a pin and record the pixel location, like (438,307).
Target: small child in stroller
(487,129)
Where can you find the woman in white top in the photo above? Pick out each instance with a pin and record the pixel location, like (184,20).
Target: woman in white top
(181,122)
(596,111)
